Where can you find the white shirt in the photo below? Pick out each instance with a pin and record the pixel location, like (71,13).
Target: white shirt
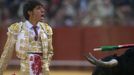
(30,29)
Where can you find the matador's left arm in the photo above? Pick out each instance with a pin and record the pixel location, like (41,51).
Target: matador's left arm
(49,32)
(50,46)
(50,49)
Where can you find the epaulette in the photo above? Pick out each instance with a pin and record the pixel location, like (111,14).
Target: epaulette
(46,28)
(14,28)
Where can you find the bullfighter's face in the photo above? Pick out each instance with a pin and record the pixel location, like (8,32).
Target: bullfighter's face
(37,14)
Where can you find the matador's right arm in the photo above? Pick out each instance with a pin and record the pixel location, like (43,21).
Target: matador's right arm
(9,47)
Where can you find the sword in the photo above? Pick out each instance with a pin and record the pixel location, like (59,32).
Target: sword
(111,48)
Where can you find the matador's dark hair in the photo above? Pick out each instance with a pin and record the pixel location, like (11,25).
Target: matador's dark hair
(29,6)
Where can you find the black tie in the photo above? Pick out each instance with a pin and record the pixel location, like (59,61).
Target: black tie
(36,33)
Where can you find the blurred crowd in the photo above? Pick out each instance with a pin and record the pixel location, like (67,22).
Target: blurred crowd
(74,13)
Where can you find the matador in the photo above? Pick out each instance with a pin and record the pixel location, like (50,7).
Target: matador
(32,41)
